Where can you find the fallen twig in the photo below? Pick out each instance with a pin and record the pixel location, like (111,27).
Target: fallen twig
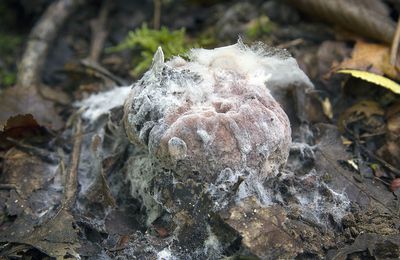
(383,162)
(35,151)
(71,182)
(102,72)
(157,14)
(395,44)
(10,186)
(292,43)
(354,138)
(99,33)
(40,39)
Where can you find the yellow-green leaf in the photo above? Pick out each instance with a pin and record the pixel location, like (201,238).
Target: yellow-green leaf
(374,78)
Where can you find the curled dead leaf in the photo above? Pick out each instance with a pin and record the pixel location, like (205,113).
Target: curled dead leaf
(361,110)
(371,57)
(17,127)
(16,101)
(393,120)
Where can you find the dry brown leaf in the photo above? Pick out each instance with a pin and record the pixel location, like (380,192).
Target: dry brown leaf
(377,246)
(331,152)
(20,121)
(363,109)
(366,108)
(19,127)
(57,237)
(370,57)
(16,101)
(263,230)
(393,125)
(390,151)
(27,172)
(393,120)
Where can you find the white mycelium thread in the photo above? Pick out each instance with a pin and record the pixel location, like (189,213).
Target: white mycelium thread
(101,103)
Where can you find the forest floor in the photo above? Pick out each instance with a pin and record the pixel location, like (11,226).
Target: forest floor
(43,213)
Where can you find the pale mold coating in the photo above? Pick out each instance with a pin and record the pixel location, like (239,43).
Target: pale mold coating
(214,112)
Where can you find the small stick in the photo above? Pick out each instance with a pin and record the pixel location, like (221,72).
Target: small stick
(102,72)
(292,43)
(40,40)
(383,162)
(35,151)
(99,33)
(71,183)
(395,45)
(10,186)
(157,14)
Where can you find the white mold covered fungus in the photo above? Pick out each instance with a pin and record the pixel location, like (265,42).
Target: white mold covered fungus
(208,133)
(209,141)
(214,112)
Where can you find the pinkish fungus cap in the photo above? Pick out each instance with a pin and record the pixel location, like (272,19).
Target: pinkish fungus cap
(215,111)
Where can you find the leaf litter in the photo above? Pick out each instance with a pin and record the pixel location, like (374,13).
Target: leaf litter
(34,209)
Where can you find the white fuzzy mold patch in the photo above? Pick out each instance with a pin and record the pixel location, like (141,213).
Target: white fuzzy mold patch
(195,80)
(319,201)
(101,103)
(165,254)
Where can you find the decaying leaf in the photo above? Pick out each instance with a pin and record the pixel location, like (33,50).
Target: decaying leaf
(374,78)
(16,101)
(393,120)
(263,230)
(20,121)
(363,110)
(330,152)
(18,127)
(50,229)
(371,57)
(57,237)
(390,151)
(376,246)
(25,171)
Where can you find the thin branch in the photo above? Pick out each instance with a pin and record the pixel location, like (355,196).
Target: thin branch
(157,14)
(102,72)
(395,44)
(383,162)
(99,33)
(40,40)
(45,155)
(71,183)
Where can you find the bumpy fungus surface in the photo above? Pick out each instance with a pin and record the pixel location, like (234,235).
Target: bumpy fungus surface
(214,113)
